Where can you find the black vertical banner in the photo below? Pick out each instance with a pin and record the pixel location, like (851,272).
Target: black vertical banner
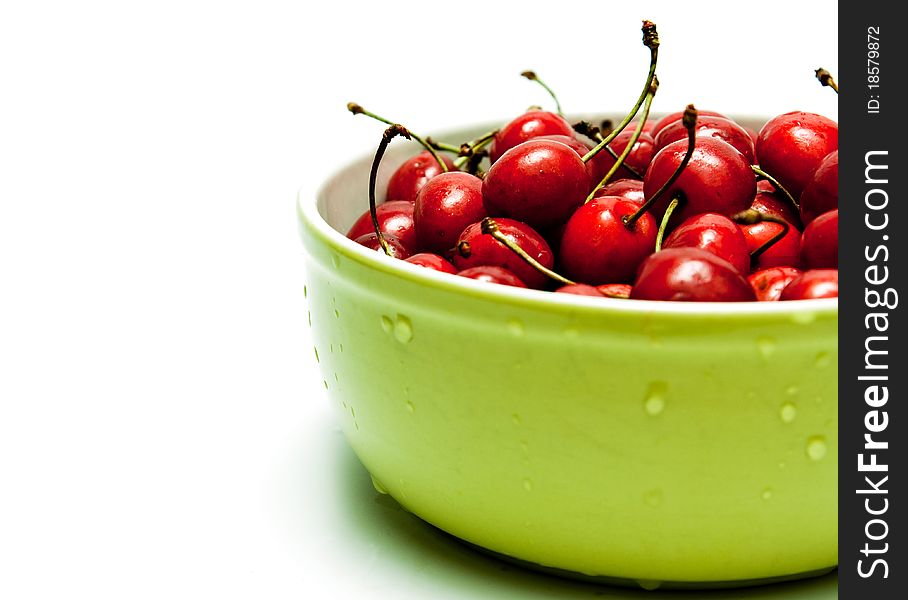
(872,267)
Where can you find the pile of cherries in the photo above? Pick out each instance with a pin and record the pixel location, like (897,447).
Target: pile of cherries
(692,207)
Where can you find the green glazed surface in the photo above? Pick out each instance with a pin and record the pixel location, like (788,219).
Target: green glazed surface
(694,444)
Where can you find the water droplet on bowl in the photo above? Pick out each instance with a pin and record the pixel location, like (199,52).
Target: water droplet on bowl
(305,292)
(792,390)
(788,412)
(766,346)
(386,323)
(336,378)
(309,316)
(381,489)
(340,347)
(823,360)
(335,261)
(325,381)
(571,332)
(654,403)
(314,349)
(337,314)
(767,494)
(653,497)
(403,329)
(528,485)
(516,418)
(515,326)
(816,447)
(410,407)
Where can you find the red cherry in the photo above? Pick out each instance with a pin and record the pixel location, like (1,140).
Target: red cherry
(769,283)
(492,274)
(638,159)
(531,124)
(629,189)
(774,205)
(816,283)
(783,253)
(444,207)
(432,261)
(370,241)
(409,178)
(820,242)
(716,234)
(690,275)
(717,179)
(597,247)
(475,248)
(395,218)
(539,182)
(821,194)
(791,147)
(667,120)
(754,136)
(581,148)
(710,126)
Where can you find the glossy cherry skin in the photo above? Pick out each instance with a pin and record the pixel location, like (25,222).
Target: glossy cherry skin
(395,218)
(821,194)
(690,275)
(717,179)
(820,242)
(409,178)
(580,147)
(445,206)
(714,233)
(370,240)
(597,247)
(639,158)
(676,116)
(432,261)
(774,205)
(710,126)
(791,147)
(629,189)
(474,248)
(539,182)
(492,274)
(816,283)
(529,125)
(769,283)
(785,252)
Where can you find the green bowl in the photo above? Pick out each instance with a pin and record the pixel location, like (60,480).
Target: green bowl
(650,443)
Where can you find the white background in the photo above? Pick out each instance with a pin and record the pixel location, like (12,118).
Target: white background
(163,428)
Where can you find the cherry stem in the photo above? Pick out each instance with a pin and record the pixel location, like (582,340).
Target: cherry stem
(489,226)
(757,170)
(390,133)
(825,79)
(589,130)
(619,161)
(468,150)
(752,217)
(356,109)
(531,75)
(651,41)
(690,123)
(664,224)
